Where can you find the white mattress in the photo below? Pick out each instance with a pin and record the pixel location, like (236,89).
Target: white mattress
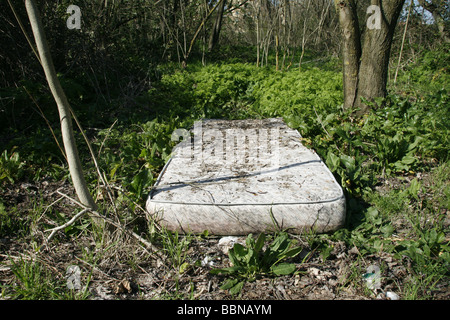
(245,176)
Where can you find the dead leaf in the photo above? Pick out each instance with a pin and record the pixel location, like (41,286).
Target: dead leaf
(123,287)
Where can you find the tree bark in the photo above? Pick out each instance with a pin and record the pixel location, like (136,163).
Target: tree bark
(70,146)
(214,38)
(365,67)
(194,38)
(373,72)
(351,49)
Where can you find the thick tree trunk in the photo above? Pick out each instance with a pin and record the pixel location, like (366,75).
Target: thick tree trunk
(365,70)
(70,146)
(373,71)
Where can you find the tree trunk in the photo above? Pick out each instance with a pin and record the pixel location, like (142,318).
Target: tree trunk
(70,146)
(365,68)
(351,49)
(214,39)
(373,72)
(194,38)
(435,8)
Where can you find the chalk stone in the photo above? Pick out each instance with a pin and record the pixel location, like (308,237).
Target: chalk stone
(245,176)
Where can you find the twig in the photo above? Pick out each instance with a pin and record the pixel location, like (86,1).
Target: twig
(106,136)
(68,223)
(115,224)
(50,205)
(199,29)
(134,202)
(94,268)
(24,32)
(403,42)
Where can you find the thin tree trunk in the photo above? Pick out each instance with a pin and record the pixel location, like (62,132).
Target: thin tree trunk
(434,8)
(214,39)
(194,38)
(257,43)
(276,53)
(403,42)
(70,146)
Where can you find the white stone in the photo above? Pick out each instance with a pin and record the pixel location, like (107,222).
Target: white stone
(391,295)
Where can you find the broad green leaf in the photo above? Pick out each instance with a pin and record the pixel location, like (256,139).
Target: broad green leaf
(387,230)
(233,258)
(229,270)
(292,252)
(237,288)
(280,243)
(348,162)
(332,161)
(283,269)
(440,237)
(229,283)
(239,250)
(260,243)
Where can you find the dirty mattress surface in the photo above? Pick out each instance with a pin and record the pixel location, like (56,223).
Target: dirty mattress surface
(241,176)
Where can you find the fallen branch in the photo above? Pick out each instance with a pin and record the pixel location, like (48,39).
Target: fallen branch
(147,244)
(68,223)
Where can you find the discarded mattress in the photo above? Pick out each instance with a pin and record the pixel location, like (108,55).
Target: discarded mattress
(245,176)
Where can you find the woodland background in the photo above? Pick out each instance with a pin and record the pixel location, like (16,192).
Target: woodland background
(138,70)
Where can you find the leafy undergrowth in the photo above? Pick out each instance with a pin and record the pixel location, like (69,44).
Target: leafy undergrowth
(392,164)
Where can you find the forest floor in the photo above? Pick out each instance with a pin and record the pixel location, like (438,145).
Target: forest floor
(113,266)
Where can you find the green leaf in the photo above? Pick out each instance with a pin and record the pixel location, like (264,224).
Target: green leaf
(239,251)
(237,288)
(260,243)
(234,285)
(348,162)
(333,161)
(237,254)
(387,230)
(229,283)
(283,269)
(280,243)
(184,267)
(292,252)
(409,159)
(229,270)
(113,171)
(440,237)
